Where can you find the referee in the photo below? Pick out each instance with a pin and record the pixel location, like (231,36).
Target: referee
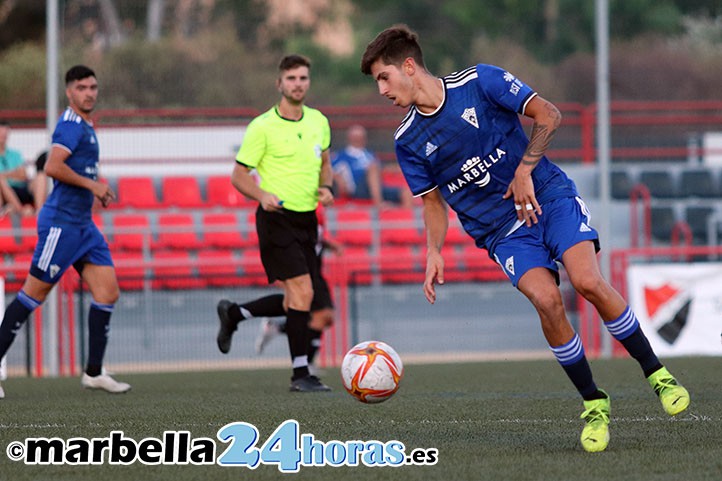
(288,146)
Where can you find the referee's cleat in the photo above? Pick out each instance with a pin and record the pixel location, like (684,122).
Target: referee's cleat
(227,327)
(104,382)
(595,435)
(673,396)
(308,383)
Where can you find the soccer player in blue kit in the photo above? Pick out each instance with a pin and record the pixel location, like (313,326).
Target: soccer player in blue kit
(462,144)
(67,235)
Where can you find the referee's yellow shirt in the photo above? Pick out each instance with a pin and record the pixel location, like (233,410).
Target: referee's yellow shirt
(287,155)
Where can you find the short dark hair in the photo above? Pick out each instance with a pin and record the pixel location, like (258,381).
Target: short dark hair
(4,123)
(78,72)
(292,61)
(392,47)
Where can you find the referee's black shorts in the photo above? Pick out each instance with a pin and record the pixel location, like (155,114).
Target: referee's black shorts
(287,241)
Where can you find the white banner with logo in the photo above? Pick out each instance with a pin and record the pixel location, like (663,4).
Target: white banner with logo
(679,306)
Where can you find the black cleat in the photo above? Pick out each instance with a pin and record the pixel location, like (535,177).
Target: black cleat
(308,384)
(228,326)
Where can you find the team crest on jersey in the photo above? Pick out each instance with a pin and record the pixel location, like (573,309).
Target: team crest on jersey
(430,148)
(470,116)
(509,265)
(54,269)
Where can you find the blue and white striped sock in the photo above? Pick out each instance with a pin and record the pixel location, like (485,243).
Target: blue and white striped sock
(628,332)
(574,362)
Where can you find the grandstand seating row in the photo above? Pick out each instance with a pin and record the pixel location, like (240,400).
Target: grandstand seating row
(225,267)
(187,192)
(216,191)
(235,229)
(697,182)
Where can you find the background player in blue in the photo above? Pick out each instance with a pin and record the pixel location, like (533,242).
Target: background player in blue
(462,144)
(67,235)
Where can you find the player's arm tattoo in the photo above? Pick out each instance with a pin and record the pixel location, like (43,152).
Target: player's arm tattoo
(541,136)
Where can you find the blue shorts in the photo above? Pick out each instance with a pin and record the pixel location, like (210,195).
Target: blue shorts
(63,245)
(564,222)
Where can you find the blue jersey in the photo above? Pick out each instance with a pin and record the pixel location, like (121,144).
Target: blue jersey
(69,203)
(470,147)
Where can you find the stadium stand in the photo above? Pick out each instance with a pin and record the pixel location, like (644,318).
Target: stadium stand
(698,183)
(400,264)
(621,184)
(218,267)
(181,192)
(663,219)
(176,231)
(354,227)
(400,226)
(137,193)
(174,270)
(130,270)
(660,183)
(221,230)
(28,233)
(8,241)
(697,217)
(221,193)
(131,232)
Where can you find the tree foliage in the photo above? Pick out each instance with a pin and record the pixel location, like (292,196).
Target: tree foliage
(224,52)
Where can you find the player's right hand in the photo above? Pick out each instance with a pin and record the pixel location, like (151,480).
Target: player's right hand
(271,203)
(434,274)
(104,193)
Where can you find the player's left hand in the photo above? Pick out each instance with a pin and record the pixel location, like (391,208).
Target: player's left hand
(521,189)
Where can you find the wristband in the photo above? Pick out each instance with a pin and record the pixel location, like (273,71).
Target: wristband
(326,186)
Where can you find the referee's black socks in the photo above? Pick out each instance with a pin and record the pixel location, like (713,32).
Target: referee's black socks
(269,306)
(297,332)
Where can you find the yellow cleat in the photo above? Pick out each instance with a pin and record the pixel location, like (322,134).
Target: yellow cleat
(595,435)
(673,396)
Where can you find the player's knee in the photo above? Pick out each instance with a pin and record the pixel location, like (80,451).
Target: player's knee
(548,304)
(590,287)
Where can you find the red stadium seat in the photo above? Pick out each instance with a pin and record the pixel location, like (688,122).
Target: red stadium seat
(130,270)
(222,231)
(28,233)
(456,234)
(357,264)
(353,227)
(19,271)
(222,194)
(131,232)
(181,192)
(400,265)
(176,231)
(250,229)
(253,272)
(174,270)
(399,226)
(480,266)
(8,242)
(137,192)
(218,268)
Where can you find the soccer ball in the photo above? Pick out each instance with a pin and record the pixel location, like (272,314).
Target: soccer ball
(371,371)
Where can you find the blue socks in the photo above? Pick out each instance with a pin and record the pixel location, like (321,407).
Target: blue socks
(15,315)
(627,331)
(98,329)
(572,359)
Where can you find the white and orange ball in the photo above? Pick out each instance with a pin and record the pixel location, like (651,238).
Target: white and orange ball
(372,371)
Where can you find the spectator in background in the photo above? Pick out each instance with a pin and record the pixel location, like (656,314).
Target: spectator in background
(357,173)
(15,193)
